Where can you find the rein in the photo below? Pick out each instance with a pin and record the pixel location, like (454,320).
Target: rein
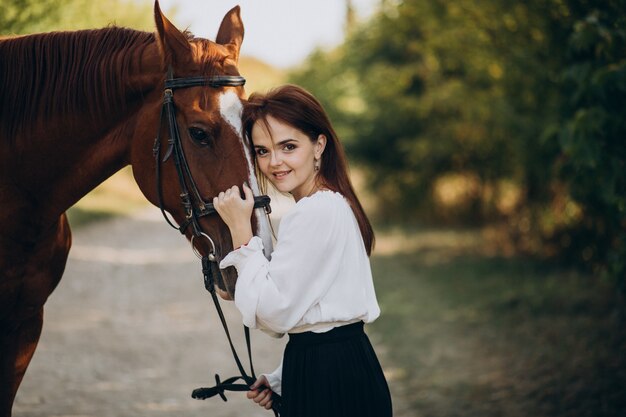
(196,207)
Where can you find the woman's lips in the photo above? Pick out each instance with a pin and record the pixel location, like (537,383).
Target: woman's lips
(280,174)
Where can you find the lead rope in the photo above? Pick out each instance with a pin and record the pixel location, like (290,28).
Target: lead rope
(229,383)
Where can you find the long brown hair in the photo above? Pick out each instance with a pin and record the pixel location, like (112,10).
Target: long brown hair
(297,107)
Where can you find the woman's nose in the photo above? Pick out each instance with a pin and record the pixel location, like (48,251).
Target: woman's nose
(275,159)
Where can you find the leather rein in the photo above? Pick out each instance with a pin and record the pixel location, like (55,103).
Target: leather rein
(195,208)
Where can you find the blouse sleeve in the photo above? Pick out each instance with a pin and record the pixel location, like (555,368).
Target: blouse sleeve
(275,379)
(304,263)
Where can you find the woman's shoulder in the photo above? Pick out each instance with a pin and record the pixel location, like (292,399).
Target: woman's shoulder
(324,204)
(323,199)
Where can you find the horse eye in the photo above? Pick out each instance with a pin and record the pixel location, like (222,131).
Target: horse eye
(198,135)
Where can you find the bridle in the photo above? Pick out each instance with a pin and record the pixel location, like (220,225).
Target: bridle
(196,207)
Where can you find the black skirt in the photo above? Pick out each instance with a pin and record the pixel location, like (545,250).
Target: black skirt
(332,374)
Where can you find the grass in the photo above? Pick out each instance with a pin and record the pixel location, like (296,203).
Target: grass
(472,333)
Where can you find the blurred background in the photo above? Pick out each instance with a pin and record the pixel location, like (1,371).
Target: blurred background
(487,139)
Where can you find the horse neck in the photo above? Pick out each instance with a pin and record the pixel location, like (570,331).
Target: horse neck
(81,135)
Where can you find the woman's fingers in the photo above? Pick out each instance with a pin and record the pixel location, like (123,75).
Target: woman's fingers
(229,193)
(234,192)
(259,395)
(263,397)
(267,399)
(260,392)
(260,381)
(266,402)
(233,210)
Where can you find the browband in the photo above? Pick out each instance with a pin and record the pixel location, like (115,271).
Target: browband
(214,81)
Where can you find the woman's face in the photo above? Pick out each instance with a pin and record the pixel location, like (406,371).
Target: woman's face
(286,156)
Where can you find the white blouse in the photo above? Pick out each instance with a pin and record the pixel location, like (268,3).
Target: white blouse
(319,276)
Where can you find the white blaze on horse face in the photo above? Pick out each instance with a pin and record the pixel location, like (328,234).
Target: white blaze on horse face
(230,109)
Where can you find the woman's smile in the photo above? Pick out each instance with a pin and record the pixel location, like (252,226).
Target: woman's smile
(279,175)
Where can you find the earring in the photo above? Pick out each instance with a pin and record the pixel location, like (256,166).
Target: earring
(317,165)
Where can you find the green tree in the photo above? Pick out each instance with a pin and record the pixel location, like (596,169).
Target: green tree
(425,96)
(19,17)
(592,136)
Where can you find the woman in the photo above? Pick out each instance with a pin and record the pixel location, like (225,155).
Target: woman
(318,285)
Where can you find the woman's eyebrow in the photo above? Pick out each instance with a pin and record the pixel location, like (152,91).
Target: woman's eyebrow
(282,142)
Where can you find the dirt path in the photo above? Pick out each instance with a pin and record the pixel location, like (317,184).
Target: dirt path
(130,331)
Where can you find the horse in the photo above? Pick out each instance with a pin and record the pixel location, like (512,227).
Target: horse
(76,107)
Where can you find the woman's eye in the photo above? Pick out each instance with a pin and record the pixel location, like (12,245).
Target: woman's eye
(261,152)
(290,147)
(198,135)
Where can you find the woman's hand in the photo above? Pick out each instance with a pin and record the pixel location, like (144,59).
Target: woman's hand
(260,393)
(236,213)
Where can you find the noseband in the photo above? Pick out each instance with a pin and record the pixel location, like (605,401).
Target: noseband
(195,208)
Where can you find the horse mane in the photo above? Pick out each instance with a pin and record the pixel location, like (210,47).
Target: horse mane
(64,73)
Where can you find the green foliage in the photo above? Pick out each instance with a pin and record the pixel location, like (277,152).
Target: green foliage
(19,17)
(22,16)
(517,107)
(593,131)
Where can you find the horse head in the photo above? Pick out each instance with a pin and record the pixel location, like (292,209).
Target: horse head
(201,151)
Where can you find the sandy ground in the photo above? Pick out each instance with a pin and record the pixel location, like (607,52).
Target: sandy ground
(130,331)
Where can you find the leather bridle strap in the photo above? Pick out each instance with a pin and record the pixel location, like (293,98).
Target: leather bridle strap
(201,393)
(215,81)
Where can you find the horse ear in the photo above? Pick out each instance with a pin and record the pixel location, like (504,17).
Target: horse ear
(173,44)
(230,33)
